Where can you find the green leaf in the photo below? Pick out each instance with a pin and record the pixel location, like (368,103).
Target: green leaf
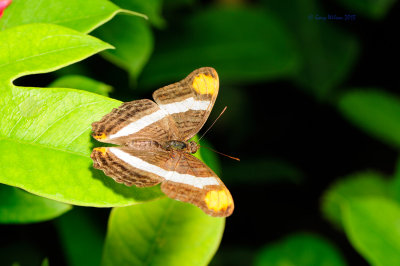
(80,232)
(371,9)
(376,112)
(17,207)
(243,44)
(133,46)
(45,262)
(367,184)
(151,8)
(300,249)
(328,53)
(45,133)
(83,16)
(372,225)
(51,127)
(163,232)
(81,83)
(50,47)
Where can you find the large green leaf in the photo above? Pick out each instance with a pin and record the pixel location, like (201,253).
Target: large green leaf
(367,184)
(81,83)
(300,249)
(50,47)
(45,133)
(79,15)
(163,232)
(51,127)
(17,206)
(372,225)
(376,112)
(243,44)
(328,52)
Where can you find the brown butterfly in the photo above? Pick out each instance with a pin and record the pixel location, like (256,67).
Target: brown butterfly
(155,147)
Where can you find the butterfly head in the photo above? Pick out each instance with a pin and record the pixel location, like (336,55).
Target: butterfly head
(192,147)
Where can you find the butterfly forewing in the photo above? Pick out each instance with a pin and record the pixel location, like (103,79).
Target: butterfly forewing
(141,119)
(189,102)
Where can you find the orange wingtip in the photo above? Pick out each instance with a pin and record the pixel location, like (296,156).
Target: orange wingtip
(100,136)
(205,84)
(218,200)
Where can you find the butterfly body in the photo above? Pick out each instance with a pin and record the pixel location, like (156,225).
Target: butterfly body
(154,146)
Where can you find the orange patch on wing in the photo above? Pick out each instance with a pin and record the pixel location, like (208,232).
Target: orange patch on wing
(218,200)
(101,149)
(205,84)
(100,137)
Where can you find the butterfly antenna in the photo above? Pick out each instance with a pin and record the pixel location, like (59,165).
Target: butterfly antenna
(212,124)
(237,159)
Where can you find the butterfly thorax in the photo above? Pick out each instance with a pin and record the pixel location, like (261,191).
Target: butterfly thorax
(176,145)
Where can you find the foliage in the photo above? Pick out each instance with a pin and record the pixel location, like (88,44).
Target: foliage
(310,250)
(53,85)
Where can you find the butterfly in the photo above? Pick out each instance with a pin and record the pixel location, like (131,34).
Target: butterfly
(155,147)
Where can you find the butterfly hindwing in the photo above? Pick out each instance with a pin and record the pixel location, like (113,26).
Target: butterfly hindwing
(214,199)
(189,102)
(108,159)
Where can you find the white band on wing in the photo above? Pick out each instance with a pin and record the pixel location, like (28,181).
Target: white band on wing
(185,105)
(140,124)
(171,108)
(173,176)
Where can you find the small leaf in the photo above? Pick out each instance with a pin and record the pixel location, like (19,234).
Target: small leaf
(151,8)
(80,232)
(243,44)
(163,232)
(81,83)
(50,47)
(372,225)
(371,9)
(133,47)
(83,16)
(300,249)
(45,262)
(367,184)
(17,207)
(376,112)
